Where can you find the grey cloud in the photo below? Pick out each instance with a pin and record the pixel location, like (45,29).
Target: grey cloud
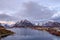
(35,11)
(15,4)
(5,17)
(56,17)
(56,0)
(30,10)
(10,4)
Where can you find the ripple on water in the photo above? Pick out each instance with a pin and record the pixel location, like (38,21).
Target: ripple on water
(29,34)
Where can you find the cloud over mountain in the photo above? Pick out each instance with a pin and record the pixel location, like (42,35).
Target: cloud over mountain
(5,17)
(34,11)
(56,17)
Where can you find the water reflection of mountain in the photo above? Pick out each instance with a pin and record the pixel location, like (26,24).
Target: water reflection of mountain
(29,34)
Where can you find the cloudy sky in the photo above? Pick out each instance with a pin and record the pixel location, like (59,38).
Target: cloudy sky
(31,9)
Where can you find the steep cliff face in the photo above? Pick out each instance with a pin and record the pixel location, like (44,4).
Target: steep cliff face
(52,24)
(24,23)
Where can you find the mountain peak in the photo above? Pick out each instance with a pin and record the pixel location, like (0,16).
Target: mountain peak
(24,23)
(52,24)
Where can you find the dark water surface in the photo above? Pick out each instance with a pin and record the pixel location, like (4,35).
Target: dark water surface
(30,34)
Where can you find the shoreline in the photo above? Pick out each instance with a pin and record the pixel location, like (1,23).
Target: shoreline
(4,33)
(53,31)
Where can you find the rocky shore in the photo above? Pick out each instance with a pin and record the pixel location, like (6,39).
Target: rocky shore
(4,32)
(53,31)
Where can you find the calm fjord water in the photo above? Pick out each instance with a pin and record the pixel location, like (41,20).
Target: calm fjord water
(30,34)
